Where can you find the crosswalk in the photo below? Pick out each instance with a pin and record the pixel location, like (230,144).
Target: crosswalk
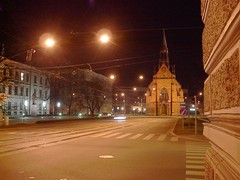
(195,156)
(134,136)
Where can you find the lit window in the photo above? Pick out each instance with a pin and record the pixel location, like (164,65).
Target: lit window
(22,76)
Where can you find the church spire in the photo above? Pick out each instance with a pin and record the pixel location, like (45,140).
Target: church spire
(164,58)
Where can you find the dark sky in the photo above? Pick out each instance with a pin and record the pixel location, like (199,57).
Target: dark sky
(136,28)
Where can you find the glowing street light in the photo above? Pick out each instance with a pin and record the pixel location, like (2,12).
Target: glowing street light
(104,35)
(104,38)
(112,77)
(141,77)
(49,42)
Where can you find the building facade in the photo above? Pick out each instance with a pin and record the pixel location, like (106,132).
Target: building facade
(164,93)
(77,91)
(221,59)
(27,89)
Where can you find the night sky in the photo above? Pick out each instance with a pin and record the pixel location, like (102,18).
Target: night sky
(136,28)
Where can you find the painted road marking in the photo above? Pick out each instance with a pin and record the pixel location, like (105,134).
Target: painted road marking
(195,156)
(174,139)
(136,136)
(162,137)
(101,134)
(123,136)
(148,137)
(111,135)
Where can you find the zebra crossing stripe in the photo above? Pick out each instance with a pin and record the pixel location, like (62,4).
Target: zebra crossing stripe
(136,136)
(174,139)
(111,135)
(195,162)
(195,173)
(124,135)
(148,137)
(195,167)
(101,134)
(195,157)
(162,137)
(195,153)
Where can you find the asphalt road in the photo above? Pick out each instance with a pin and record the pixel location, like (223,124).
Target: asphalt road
(138,148)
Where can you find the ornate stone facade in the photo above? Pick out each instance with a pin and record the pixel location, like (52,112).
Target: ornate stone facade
(207,90)
(218,14)
(225,81)
(221,58)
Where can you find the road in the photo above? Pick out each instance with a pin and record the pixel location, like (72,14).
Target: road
(138,148)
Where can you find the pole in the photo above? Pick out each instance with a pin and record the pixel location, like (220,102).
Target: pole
(156,101)
(171,97)
(124,105)
(195,101)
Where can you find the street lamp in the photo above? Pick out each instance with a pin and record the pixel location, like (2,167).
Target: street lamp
(49,42)
(124,101)
(141,77)
(104,35)
(104,38)
(112,77)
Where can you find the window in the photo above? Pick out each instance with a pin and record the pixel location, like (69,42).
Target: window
(40,80)
(27,78)
(164,95)
(2,89)
(46,94)
(21,106)
(21,91)
(26,91)
(10,89)
(15,106)
(16,75)
(9,105)
(16,90)
(22,76)
(46,82)
(35,79)
(40,93)
(40,107)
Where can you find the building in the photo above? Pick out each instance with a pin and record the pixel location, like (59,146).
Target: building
(129,100)
(77,91)
(164,93)
(26,88)
(221,60)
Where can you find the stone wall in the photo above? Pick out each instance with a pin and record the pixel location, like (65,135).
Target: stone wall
(221,59)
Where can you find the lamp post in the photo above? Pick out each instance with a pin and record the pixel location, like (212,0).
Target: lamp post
(196,107)
(195,104)
(124,102)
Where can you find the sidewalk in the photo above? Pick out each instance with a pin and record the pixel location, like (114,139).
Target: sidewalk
(185,128)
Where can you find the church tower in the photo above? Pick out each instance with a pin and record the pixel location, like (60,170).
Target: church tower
(164,56)
(164,94)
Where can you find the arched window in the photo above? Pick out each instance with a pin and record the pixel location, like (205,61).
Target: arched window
(164,95)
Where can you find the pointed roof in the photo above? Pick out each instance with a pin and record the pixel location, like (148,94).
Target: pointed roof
(164,41)
(164,57)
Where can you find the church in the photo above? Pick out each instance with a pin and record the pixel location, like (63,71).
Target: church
(164,93)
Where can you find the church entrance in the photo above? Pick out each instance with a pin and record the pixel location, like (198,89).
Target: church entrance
(164,109)
(163,101)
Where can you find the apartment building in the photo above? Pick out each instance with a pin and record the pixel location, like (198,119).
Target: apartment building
(27,89)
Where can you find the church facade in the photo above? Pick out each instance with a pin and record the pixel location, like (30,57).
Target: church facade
(164,93)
